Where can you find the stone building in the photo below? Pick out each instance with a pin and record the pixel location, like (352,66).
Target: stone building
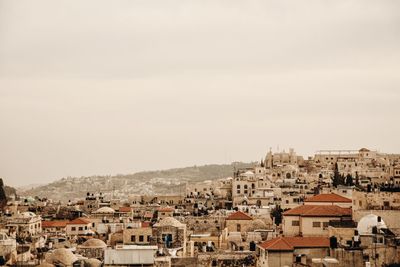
(312,220)
(92,248)
(170,233)
(137,236)
(79,226)
(238,222)
(288,251)
(25,224)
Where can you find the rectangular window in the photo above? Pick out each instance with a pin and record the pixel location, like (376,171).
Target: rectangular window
(148,238)
(80,228)
(141,238)
(316,224)
(73,228)
(133,238)
(295,223)
(325,224)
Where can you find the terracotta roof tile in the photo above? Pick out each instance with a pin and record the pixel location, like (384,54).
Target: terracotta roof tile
(145,224)
(328,198)
(318,211)
(291,243)
(125,209)
(239,216)
(165,209)
(49,224)
(79,221)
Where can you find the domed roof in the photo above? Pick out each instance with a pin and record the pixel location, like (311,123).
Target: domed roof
(61,256)
(105,210)
(364,150)
(92,262)
(257,224)
(367,222)
(169,221)
(217,192)
(94,243)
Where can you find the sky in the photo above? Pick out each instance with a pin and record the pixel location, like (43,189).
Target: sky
(109,87)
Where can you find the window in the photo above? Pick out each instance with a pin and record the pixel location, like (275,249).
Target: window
(141,238)
(238,227)
(133,238)
(73,228)
(148,238)
(316,224)
(238,191)
(80,228)
(325,224)
(295,223)
(245,186)
(238,186)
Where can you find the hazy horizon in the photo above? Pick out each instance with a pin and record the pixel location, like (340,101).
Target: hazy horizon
(107,87)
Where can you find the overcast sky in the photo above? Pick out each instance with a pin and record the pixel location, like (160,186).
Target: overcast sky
(107,87)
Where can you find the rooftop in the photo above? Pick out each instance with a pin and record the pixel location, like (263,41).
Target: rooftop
(79,221)
(49,224)
(328,198)
(291,243)
(239,216)
(318,211)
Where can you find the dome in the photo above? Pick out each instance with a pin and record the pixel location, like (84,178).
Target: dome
(61,256)
(257,224)
(92,262)
(367,222)
(217,193)
(169,221)
(94,243)
(105,210)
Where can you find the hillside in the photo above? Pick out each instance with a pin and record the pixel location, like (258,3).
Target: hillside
(171,181)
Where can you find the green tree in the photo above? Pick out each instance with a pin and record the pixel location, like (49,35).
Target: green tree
(276,214)
(349,180)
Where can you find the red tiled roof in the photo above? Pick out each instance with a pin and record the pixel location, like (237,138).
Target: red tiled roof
(125,209)
(79,221)
(328,198)
(49,224)
(165,209)
(318,211)
(145,224)
(290,243)
(239,216)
